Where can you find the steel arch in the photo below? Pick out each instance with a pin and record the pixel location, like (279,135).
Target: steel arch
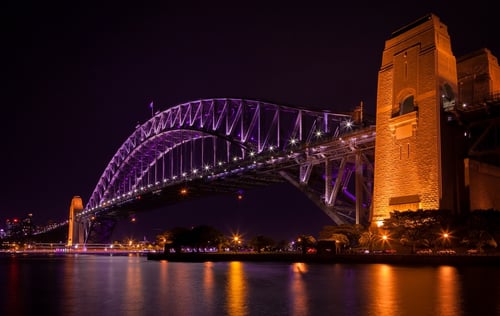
(203,135)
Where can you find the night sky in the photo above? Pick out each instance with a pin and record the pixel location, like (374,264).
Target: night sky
(78,78)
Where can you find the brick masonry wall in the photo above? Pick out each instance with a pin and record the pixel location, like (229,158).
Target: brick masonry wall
(408,166)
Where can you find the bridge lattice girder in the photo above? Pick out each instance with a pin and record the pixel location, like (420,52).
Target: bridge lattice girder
(218,146)
(202,136)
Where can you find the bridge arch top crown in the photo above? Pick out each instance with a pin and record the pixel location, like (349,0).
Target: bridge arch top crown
(205,134)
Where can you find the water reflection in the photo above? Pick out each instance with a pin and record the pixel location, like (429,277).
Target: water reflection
(88,285)
(182,287)
(134,290)
(423,290)
(480,290)
(70,270)
(13,300)
(163,278)
(448,291)
(236,289)
(384,293)
(298,291)
(208,285)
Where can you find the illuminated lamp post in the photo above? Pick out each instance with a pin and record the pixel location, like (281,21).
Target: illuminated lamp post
(236,242)
(384,240)
(446,238)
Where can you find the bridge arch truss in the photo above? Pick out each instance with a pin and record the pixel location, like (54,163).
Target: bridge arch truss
(253,141)
(196,138)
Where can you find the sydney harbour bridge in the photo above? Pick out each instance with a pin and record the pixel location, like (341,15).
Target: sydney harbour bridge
(226,146)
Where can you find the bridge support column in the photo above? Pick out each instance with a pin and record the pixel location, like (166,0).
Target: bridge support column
(413,152)
(359,186)
(332,196)
(328,181)
(73,225)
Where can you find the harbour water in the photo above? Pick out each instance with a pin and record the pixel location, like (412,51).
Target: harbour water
(79,284)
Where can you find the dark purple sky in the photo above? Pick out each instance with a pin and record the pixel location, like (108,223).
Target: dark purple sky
(78,78)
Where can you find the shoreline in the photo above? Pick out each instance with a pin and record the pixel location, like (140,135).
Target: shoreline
(405,259)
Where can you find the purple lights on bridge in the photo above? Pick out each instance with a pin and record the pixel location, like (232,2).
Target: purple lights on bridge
(242,144)
(169,145)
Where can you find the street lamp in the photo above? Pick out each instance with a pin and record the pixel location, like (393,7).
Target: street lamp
(236,241)
(446,237)
(384,240)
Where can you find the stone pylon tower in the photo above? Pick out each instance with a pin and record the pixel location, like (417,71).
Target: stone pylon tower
(416,160)
(75,228)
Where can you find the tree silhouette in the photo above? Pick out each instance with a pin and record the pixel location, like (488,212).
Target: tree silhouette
(262,242)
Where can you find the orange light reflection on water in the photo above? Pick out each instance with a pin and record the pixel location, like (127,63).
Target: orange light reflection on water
(164,280)
(298,291)
(384,295)
(236,290)
(423,290)
(208,285)
(448,291)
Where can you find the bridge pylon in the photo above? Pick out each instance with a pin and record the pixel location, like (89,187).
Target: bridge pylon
(75,227)
(417,153)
